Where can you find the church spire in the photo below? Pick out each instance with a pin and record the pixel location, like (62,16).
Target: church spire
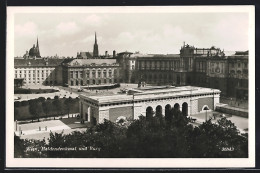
(95,50)
(38,55)
(37,44)
(95,38)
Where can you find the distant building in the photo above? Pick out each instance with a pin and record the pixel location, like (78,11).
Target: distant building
(84,55)
(34,51)
(90,72)
(148,101)
(205,67)
(38,71)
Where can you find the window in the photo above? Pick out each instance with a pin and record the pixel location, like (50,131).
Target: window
(105,81)
(110,80)
(77,74)
(105,73)
(133,67)
(87,73)
(93,73)
(81,74)
(245,64)
(71,74)
(99,73)
(15,75)
(88,82)
(110,73)
(238,65)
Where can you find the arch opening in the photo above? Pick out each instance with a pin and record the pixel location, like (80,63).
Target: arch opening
(149,112)
(205,107)
(158,111)
(185,109)
(176,106)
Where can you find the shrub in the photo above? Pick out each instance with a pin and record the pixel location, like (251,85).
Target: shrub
(24,103)
(17,104)
(41,99)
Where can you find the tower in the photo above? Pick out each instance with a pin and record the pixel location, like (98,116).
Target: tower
(95,50)
(37,49)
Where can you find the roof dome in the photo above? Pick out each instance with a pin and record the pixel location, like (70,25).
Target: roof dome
(34,51)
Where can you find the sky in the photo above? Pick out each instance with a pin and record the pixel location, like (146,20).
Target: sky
(65,34)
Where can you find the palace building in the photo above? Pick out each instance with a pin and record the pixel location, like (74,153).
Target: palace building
(90,72)
(203,67)
(38,71)
(148,100)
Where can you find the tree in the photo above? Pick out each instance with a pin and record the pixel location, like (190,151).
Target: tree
(68,103)
(210,140)
(58,106)
(19,147)
(18,82)
(16,113)
(41,99)
(35,109)
(47,107)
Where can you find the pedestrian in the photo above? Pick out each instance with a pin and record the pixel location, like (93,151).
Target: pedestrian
(45,128)
(39,128)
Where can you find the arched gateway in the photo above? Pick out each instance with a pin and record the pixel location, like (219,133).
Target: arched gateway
(150,101)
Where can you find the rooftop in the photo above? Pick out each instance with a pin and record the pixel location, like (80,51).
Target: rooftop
(37,62)
(151,92)
(82,62)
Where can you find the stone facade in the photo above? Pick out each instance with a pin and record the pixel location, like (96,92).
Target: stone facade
(190,100)
(205,67)
(80,72)
(38,71)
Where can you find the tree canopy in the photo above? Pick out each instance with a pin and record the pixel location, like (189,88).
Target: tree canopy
(153,137)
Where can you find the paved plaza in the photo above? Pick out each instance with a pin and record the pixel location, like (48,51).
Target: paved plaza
(42,129)
(240,122)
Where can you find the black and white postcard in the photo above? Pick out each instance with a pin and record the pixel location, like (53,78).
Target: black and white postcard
(130,87)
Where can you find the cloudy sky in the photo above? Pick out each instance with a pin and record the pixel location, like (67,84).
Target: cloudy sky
(66,34)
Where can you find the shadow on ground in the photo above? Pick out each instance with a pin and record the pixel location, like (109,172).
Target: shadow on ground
(75,123)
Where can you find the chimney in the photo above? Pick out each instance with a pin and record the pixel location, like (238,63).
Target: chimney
(114,54)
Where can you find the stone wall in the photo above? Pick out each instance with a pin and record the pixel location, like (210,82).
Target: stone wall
(114,113)
(205,101)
